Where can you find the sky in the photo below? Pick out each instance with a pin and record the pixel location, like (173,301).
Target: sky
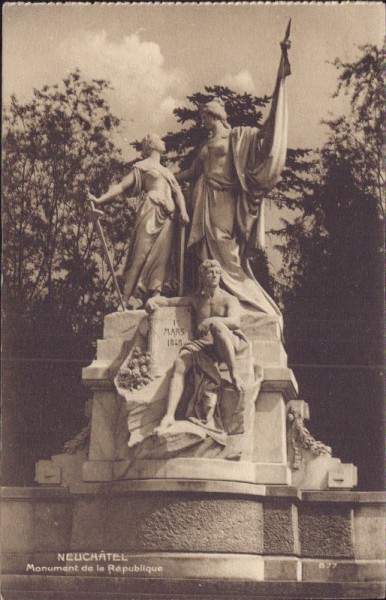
(155,55)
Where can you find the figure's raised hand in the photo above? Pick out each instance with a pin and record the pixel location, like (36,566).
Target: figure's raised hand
(286,45)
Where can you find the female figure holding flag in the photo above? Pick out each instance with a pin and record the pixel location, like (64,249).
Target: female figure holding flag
(233,171)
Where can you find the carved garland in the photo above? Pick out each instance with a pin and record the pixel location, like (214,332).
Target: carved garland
(136,372)
(302,438)
(79,442)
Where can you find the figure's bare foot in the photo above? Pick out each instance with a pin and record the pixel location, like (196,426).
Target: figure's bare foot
(237,382)
(166,422)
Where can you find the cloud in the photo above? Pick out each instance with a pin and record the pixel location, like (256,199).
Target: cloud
(145,90)
(240,82)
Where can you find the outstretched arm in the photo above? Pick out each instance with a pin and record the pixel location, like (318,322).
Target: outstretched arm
(160,302)
(283,72)
(180,201)
(115,190)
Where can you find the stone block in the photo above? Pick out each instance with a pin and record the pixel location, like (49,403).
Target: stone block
(166,523)
(369,531)
(74,587)
(108,425)
(52,525)
(326,530)
(123,324)
(282,569)
(97,470)
(272,474)
(209,566)
(97,371)
(193,468)
(70,466)
(281,532)
(110,349)
(313,471)
(48,473)
(376,499)
(89,522)
(342,476)
(280,379)
(202,486)
(170,329)
(188,468)
(283,491)
(340,570)
(260,328)
(269,353)
(15,562)
(270,441)
(17,525)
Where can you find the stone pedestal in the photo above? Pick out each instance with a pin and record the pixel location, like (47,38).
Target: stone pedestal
(264,455)
(195,524)
(271,449)
(181,537)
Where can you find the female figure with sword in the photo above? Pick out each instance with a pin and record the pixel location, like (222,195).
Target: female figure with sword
(149,267)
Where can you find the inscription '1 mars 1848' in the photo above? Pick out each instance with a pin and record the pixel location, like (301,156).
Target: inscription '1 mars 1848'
(175,335)
(168,334)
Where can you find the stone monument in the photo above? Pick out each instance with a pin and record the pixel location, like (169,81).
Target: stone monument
(197,468)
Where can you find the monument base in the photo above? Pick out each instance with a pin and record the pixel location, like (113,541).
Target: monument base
(160,538)
(189,468)
(92,588)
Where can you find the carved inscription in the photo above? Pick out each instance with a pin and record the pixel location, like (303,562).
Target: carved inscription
(175,336)
(170,329)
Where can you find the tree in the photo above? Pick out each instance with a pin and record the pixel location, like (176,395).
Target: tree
(335,244)
(332,267)
(358,138)
(56,284)
(55,146)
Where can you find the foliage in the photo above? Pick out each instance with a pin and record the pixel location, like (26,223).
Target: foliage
(135,373)
(332,252)
(358,138)
(54,147)
(80,442)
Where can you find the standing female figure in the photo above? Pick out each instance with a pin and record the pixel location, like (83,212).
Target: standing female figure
(233,172)
(149,267)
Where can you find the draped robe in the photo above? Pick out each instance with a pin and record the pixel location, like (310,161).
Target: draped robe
(228,206)
(153,244)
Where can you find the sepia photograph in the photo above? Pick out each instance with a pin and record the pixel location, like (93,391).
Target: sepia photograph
(193,200)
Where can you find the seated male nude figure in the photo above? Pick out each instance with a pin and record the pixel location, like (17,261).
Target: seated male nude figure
(218,321)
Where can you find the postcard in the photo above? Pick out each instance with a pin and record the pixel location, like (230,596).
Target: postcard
(193,198)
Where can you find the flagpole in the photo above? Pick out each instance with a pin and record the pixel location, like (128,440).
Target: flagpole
(181,273)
